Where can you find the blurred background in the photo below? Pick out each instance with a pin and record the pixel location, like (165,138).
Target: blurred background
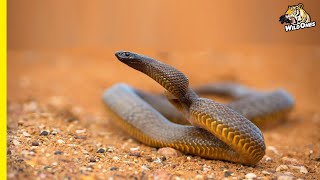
(162,25)
(55,47)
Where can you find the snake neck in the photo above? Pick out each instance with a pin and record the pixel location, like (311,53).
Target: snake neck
(183,102)
(188,98)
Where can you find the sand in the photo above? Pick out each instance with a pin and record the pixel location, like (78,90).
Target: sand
(58,127)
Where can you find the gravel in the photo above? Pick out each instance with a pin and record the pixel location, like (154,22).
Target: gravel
(250,176)
(282,168)
(101,150)
(35,143)
(58,153)
(44,133)
(169,152)
(113,168)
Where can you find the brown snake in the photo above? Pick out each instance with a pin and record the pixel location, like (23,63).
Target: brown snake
(217,131)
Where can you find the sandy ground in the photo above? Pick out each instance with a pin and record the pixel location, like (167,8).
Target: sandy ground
(59,92)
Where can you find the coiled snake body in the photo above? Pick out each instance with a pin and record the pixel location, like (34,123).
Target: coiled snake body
(217,131)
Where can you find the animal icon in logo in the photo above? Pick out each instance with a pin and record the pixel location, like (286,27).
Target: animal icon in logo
(295,14)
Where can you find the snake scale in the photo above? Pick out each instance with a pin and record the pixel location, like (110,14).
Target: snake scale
(211,130)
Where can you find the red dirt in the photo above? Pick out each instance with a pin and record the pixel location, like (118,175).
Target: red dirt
(61,91)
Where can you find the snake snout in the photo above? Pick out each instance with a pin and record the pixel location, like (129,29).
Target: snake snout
(124,55)
(131,59)
(136,61)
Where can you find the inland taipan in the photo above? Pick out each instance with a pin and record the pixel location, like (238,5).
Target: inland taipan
(200,126)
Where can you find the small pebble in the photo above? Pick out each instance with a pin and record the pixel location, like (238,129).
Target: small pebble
(134,149)
(285,177)
(205,169)
(84,151)
(198,176)
(58,153)
(158,160)
(89,169)
(113,168)
(281,168)
(268,159)
(210,176)
(41,126)
(149,158)
(169,152)
(54,132)
(79,131)
(24,152)
(20,123)
(288,160)
(135,153)
(26,134)
(92,160)
(80,137)
(163,158)
(301,169)
(42,176)
(250,176)
(16,142)
(176,177)
(101,150)
(227,173)
(161,174)
(60,141)
(116,158)
(266,172)
(110,149)
(35,143)
(145,167)
(44,133)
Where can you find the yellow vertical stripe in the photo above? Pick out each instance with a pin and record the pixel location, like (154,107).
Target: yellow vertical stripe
(3,88)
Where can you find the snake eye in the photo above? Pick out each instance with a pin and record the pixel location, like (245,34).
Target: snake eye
(127,54)
(122,55)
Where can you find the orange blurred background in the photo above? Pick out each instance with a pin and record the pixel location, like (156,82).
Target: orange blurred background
(55,47)
(162,25)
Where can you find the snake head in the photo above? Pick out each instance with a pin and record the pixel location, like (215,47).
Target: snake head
(125,55)
(128,58)
(134,60)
